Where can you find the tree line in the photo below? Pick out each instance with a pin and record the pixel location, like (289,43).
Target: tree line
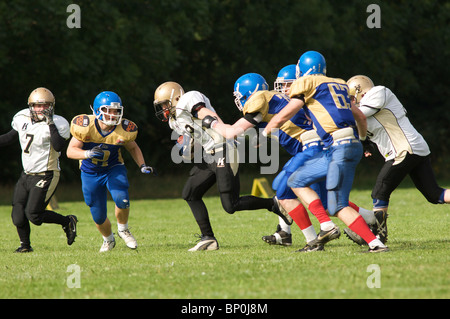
(131,47)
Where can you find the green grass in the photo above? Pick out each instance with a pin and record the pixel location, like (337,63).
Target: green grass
(243,268)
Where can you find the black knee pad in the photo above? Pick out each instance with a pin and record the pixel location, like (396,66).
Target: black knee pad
(35,218)
(18,216)
(229,207)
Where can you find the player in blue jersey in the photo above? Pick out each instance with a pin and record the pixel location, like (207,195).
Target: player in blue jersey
(97,142)
(259,105)
(326,101)
(297,137)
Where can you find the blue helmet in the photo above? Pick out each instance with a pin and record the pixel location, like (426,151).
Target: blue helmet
(285,77)
(108,108)
(311,62)
(245,86)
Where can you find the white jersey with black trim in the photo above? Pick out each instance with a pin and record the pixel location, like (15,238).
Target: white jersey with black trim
(186,124)
(38,154)
(389,127)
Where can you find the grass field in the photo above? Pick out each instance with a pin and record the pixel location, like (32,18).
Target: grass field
(243,268)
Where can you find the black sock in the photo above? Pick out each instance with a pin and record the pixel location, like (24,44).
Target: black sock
(253,203)
(201,216)
(51,217)
(24,235)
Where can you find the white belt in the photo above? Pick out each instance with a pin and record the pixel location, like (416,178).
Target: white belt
(347,141)
(311,144)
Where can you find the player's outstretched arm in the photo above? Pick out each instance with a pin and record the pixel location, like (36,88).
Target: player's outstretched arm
(75,150)
(285,114)
(136,153)
(8,138)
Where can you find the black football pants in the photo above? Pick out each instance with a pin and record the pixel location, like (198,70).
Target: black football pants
(32,194)
(202,177)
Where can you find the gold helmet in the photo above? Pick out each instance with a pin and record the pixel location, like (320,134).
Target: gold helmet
(167,96)
(358,86)
(41,96)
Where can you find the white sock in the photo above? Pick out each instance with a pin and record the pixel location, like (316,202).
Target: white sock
(326,226)
(376,242)
(284,227)
(367,215)
(309,233)
(109,238)
(122,227)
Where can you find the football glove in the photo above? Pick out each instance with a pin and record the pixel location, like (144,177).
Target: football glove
(148,170)
(209,121)
(48,114)
(95,152)
(369,146)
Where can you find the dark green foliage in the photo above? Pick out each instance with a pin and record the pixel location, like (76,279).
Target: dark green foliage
(133,46)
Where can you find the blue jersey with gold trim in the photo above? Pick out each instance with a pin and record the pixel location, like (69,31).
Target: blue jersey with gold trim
(269,103)
(326,102)
(85,128)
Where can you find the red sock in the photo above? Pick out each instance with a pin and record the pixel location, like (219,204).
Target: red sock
(300,217)
(318,210)
(354,206)
(360,227)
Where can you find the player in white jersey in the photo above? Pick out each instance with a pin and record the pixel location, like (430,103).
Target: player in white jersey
(216,162)
(405,150)
(42,136)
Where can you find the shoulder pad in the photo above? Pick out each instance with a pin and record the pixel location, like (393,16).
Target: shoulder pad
(129,126)
(81,120)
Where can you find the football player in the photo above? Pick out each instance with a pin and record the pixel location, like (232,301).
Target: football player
(258,105)
(218,163)
(97,141)
(405,150)
(326,101)
(42,136)
(297,137)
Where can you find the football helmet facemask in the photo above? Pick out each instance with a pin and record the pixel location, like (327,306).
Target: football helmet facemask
(43,97)
(358,86)
(285,78)
(245,86)
(108,108)
(167,96)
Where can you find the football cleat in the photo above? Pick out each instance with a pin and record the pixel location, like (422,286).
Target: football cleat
(324,237)
(280,211)
(129,239)
(206,243)
(107,245)
(23,249)
(71,229)
(377,249)
(380,228)
(280,237)
(311,246)
(354,237)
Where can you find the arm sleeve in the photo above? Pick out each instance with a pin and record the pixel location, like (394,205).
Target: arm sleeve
(8,138)
(253,118)
(57,141)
